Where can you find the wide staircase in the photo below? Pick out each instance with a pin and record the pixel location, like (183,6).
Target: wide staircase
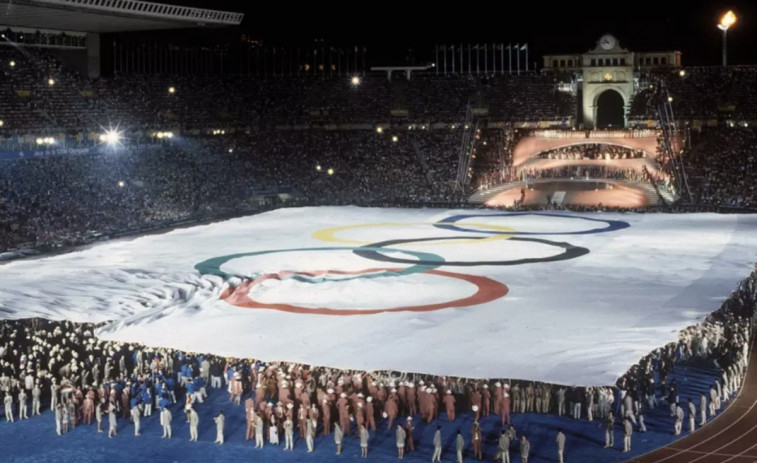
(482,196)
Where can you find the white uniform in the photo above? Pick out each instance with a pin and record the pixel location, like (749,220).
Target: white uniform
(36,393)
(259,429)
(437,446)
(194,421)
(9,407)
(112,421)
(135,415)
(678,421)
(220,420)
(58,419)
(22,405)
(288,434)
(165,421)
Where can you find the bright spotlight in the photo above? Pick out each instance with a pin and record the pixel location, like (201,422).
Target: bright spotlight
(682,73)
(121,183)
(111,137)
(51,81)
(159,134)
(1,123)
(168,134)
(231,150)
(394,138)
(49,140)
(670,99)
(171,90)
(379,130)
(318,167)
(355,81)
(727,21)
(39,141)
(13,64)
(331,171)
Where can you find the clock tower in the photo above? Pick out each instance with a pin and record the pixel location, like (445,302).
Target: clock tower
(608,84)
(606,79)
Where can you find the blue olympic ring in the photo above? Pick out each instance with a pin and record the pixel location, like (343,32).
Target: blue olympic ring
(448,224)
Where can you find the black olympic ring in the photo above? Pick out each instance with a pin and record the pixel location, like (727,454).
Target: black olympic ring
(570,252)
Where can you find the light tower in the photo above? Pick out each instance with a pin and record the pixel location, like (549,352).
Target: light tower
(728,20)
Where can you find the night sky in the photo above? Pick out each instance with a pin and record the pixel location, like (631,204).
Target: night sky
(389,30)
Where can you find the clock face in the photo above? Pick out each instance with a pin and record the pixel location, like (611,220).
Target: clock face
(607,42)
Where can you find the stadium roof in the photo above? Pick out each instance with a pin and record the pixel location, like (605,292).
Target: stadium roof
(109,15)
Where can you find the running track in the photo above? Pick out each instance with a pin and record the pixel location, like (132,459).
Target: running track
(730,438)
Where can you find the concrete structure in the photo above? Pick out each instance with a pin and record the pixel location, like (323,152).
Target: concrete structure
(608,77)
(95,17)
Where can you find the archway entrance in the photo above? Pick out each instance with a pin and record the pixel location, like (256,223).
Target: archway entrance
(610,110)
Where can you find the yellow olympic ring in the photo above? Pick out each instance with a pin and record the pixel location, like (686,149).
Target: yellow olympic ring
(328,234)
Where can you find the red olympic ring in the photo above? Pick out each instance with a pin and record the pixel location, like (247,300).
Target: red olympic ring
(488,290)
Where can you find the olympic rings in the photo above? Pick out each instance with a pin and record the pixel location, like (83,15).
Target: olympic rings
(431,261)
(428,263)
(487,290)
(612,225)
(373,252)
(328,234)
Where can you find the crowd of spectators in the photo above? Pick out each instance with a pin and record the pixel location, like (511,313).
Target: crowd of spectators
(592,152)
(722,166)
(698,93)
(583,172)
(40,95)
(237,137)
(72,198)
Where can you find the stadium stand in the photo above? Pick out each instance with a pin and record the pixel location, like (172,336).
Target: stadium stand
(237,137)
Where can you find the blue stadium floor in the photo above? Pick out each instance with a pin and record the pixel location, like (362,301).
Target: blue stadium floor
(34,440)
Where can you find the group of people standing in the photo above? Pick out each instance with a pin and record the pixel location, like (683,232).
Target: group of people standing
(85,380)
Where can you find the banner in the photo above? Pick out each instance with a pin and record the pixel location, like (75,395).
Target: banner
(100,149)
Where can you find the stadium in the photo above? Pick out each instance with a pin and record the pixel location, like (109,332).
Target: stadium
(215,245)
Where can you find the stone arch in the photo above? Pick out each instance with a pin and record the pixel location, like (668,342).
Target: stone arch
(610,109)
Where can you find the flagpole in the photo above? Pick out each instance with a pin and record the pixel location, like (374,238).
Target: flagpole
(486,60)
(461,58)
(469,59)
(517,50)
(445,59)
(436,62)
